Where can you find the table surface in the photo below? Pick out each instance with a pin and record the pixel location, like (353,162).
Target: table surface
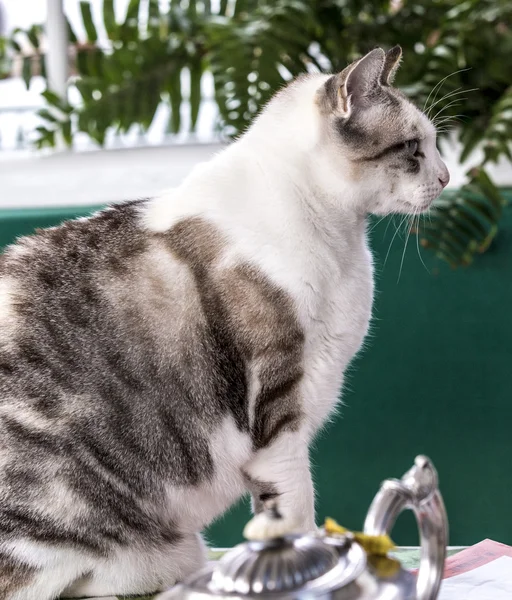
(409,557)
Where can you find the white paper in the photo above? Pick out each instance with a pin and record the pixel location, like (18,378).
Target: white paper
(492,581)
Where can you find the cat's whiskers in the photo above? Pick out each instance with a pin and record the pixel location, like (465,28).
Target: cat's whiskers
(459,117)
(418,217)
(446,129)
(438,86)
(441,111)
(435,102)
(387,226)
(379,221)
(393,238)
(447,106)
(405,248)
(448,125)
(449,95)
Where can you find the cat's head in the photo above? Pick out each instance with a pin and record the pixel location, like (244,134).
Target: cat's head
(366,137)
(389,144)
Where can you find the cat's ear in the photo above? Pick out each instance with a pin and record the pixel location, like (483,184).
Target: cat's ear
(356,83)
(391,64)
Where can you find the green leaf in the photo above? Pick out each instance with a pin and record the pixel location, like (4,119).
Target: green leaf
(33,35)
(132,11)
(472,138)
(94,62)
(192,9)
(14,44)
(109,19)
(154,11)
(26,71)
(51,97)
(129,29)
(55,100)
(196,73)
(42,65)
(82,62)
(71,33)
(46,138)
(47,115)
(152,101)
(223,7)
(154,7)
(246,6)
(465,221)
(174,89)
(88,22)
(67,133)
(491,192)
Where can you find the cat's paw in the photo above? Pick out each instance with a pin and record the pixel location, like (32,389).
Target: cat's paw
(264,527)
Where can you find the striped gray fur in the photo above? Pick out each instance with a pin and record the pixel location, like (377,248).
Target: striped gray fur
(113,416)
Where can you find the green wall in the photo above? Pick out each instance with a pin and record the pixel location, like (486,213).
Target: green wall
(435,378)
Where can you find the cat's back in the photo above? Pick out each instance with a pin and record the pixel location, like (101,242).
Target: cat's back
(53,283)
(56,256)
(56,320)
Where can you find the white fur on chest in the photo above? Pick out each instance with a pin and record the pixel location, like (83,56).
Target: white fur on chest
(333,297)
(321,261)
(334,337)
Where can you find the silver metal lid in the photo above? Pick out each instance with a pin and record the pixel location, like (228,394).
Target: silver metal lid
(276,566)
(285,568)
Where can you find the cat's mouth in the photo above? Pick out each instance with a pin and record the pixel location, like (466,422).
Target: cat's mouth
(419,207)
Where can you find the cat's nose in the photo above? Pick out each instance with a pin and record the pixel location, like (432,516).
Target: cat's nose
(444,177)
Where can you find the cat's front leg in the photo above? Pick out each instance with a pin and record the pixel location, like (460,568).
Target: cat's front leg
(282,488)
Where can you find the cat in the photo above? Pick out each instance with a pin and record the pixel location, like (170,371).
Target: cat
(165,356)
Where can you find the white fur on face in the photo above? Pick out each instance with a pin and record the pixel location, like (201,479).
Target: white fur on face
(396,190)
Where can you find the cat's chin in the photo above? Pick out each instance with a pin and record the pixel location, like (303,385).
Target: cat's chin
(417,208)
(403,207)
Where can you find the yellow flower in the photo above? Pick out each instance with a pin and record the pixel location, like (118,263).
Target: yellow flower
(373,545)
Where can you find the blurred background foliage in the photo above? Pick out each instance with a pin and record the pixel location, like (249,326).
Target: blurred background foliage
(457,66)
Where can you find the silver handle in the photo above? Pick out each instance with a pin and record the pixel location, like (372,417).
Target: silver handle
(418,491)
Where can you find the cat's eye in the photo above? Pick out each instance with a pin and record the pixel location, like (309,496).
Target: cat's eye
(411,146)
